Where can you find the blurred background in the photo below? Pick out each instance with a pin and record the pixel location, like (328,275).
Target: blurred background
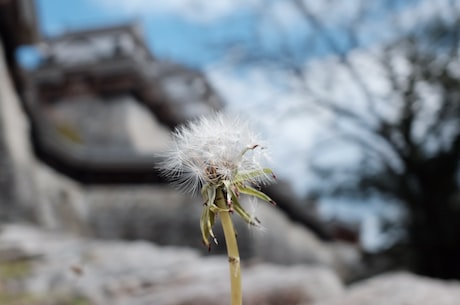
(359,102)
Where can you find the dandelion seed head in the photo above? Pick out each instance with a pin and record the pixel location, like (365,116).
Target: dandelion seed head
(211,150)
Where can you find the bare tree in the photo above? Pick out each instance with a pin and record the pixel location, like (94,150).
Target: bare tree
(408,135)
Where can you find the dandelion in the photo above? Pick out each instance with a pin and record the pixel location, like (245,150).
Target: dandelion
(222,158)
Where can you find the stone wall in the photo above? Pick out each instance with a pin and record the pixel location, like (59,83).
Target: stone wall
(6,171)
(32,187)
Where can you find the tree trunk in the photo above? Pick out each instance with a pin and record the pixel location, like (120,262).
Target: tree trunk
(435,238)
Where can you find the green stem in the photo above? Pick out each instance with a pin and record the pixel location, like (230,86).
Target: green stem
(232,249)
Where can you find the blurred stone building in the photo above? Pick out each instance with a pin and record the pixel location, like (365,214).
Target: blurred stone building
(101,105)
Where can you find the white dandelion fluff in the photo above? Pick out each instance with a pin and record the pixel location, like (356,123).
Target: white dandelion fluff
(222,157)
(212,150)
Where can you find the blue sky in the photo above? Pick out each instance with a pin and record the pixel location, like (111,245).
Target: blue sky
(177,32)
(195,32)
(168,35)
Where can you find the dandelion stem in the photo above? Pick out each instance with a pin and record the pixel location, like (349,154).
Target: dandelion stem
(232,249)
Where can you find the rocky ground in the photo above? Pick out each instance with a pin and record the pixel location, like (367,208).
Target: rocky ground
(46,266)
(43,267)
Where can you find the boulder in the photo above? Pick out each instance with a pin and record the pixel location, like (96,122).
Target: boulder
(399,288)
